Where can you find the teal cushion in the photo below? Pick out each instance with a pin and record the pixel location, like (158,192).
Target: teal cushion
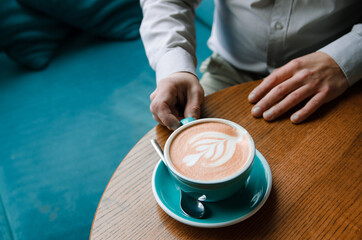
(28,37)
(114,19)
(64,131)
(205,12)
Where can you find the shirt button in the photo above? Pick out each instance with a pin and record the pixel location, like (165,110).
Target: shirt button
(278,26)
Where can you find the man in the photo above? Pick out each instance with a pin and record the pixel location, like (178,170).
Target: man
(306,50)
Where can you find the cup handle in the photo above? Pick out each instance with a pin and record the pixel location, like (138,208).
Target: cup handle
(186,120)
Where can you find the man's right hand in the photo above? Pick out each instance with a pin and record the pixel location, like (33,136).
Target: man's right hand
(176,97)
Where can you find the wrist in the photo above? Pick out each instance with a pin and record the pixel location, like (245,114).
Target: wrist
(175,61)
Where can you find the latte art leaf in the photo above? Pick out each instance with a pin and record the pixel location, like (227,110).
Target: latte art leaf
(190,160)
(216,148)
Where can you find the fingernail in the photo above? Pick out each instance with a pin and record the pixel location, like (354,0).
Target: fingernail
(268,114)
(174,126)
(294,118)
(251,97)
(256,111)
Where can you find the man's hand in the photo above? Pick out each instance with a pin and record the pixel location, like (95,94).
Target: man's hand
(177,96)
(316,77)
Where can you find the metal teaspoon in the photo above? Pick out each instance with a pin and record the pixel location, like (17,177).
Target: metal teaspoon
(192,207)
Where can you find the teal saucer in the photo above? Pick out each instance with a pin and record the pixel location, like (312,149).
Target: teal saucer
(239,207)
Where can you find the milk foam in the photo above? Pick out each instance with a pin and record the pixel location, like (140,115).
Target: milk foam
(211,146)
(210,150)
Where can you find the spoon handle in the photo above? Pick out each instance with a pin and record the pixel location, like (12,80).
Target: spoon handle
(158,150)
(190,206)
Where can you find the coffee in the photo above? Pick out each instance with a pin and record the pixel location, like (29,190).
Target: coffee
(210,151)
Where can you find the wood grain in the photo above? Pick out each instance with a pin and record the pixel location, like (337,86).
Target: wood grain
(316,169)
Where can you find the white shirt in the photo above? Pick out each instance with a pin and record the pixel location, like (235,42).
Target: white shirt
(254,35)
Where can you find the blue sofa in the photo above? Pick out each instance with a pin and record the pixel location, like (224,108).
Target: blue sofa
(65,129)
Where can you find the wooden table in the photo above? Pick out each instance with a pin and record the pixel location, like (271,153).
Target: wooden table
(316,169)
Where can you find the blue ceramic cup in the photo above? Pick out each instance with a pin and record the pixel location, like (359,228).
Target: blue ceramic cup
(210,190)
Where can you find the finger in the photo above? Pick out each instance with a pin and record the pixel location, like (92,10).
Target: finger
(169,120)
(277,93)
(163,113)
(166,117)
(156,118)
(163,107)
(287,103)
(275,78)
(153,94)
(312,105)
(194,100)
(178,113)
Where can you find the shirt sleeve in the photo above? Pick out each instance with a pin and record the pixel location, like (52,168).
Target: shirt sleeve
(168,34)
(347,52)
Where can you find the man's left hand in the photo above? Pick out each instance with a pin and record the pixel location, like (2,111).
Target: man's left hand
(315,76)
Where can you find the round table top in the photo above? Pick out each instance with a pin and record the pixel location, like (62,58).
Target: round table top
(316,169)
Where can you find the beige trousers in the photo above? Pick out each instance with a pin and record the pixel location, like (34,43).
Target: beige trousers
(219,74)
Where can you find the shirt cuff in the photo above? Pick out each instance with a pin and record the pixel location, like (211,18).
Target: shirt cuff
(175,60)
(347,53)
